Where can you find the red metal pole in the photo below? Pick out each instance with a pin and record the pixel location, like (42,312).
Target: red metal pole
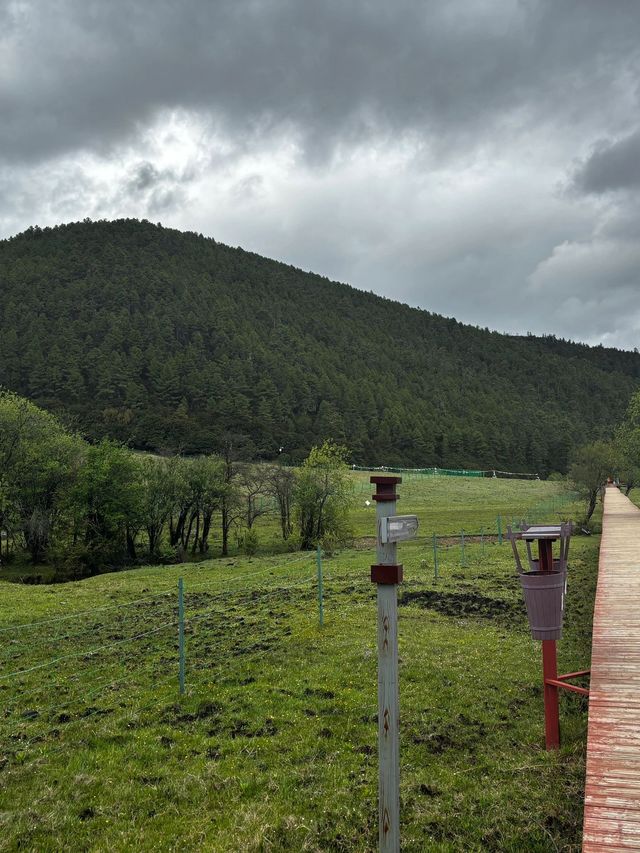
(549,663)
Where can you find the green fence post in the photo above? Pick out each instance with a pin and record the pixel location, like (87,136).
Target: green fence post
(181,633)
(499,530)
(435,557)
(462,560)
(320,605)
(482,539)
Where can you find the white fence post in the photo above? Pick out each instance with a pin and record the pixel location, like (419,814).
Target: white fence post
(386,574)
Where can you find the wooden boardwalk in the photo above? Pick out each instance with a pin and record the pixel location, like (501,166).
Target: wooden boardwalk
(612,795)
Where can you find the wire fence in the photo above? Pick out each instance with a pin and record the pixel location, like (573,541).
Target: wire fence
(448,472)
(89,636)
(64,670)
(459,550)
(69,680)
(58,661)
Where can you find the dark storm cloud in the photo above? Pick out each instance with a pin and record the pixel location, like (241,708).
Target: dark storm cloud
(160,190)
(474,157)
(613,165)
(144,175)
(84,74)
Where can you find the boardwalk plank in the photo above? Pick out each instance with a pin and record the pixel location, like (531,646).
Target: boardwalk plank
(612,793)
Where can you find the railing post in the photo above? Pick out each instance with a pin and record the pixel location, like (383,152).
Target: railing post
(499,530)
(462,560)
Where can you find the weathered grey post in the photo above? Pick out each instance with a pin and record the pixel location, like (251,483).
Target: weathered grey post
(387,574)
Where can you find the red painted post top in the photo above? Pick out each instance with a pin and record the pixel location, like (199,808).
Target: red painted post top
(385,487)
(386,574)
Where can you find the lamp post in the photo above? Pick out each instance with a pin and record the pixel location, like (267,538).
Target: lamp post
(387,574)
(544,588)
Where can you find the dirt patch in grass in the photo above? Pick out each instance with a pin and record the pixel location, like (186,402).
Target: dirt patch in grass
(465,604)
(205,711)
(320,693)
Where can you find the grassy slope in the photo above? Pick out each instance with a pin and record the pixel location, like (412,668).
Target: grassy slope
(274,745)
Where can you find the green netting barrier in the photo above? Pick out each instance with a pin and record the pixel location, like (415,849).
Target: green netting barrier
(442,472)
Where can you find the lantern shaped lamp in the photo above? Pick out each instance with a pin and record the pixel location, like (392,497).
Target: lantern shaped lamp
(544,584)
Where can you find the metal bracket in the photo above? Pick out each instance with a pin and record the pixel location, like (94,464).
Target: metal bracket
(562,681)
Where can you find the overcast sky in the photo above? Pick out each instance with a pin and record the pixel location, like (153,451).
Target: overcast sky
(478,158)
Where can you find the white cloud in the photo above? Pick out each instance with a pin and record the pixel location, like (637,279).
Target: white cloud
(416,151)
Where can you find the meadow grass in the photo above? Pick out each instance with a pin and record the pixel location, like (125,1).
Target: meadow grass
(444,505)
(273,746)
(447,505)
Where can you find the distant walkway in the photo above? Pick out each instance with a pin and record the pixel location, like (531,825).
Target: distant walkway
(612,796)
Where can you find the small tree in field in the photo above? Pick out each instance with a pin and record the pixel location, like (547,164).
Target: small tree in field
(157,499)
(281,484)
(592,465)
(253,483)
(323,495)
(234,448)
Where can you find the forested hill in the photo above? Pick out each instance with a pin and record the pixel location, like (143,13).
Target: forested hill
(169,340)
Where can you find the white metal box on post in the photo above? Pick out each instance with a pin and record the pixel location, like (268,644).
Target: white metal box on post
(397,528)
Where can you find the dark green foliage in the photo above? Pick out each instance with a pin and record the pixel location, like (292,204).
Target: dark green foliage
(107,503)
(171,341)
(89,508)
(39,461)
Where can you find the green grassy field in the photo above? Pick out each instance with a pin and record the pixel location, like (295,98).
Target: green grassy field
(447,505)
(273,747)
(444,506)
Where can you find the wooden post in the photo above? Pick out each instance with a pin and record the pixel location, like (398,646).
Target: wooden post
(181,633)
(320,603)
(386,574)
